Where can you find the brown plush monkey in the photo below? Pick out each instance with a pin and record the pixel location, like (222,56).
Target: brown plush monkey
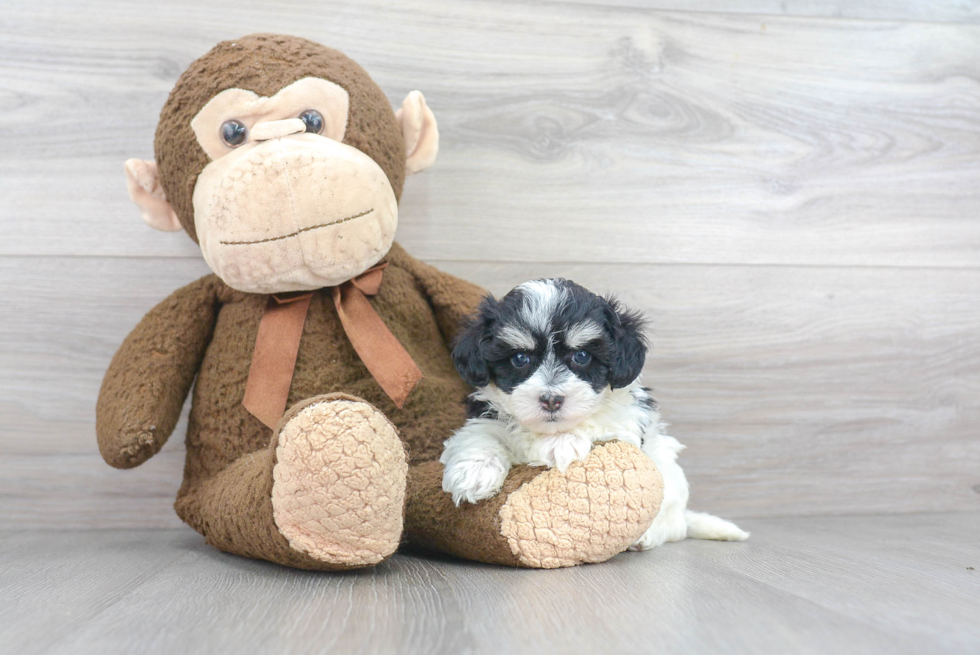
(284,161)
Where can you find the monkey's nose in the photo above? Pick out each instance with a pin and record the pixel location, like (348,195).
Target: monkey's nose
(551,401)
(277,129)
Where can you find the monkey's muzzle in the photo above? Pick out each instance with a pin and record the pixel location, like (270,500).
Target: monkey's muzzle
(293,213)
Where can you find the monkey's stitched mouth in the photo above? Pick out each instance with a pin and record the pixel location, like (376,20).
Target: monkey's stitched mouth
(297,232)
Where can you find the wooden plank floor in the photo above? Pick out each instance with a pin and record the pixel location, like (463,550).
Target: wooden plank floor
(888,584)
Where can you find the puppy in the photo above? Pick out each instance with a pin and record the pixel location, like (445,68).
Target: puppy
(557,369)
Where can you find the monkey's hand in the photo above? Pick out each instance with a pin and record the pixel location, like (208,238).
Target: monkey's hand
(149,378)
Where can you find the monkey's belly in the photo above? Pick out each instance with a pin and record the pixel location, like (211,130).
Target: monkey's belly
(221,430)
(432,412)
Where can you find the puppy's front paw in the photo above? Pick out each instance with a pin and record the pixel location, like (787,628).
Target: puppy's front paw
(559,450)
(474,479)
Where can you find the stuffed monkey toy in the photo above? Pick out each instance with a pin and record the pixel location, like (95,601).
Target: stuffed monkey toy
(321,349)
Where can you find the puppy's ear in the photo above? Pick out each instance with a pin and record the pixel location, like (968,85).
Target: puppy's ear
(469,350)
(628,347)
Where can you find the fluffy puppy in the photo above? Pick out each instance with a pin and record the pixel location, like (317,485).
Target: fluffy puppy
(557,369)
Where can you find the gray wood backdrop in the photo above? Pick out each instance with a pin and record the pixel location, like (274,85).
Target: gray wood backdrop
(789,188)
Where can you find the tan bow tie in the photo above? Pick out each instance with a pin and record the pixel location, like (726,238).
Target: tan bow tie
(281,328)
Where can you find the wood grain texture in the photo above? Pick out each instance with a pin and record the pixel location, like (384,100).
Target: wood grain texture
(950,11)
(609,134)
(52,585)
(793,200)
(797,391)
(815,585)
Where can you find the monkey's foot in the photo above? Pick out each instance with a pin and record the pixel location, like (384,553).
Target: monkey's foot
(588,513)
(338,491)
(542,518)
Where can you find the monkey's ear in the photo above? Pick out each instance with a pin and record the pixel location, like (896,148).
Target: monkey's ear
(420,132)
(143,183)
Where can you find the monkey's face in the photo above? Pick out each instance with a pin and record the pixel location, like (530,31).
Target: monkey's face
(284,161)
(285,205)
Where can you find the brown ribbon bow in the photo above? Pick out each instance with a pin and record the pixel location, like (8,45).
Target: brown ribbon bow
(277,344)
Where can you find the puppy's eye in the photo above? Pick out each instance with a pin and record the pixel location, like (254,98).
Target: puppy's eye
(520,360)
(582,358)
(233,133)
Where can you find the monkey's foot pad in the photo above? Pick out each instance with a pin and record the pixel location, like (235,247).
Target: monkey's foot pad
(338,489)
(595,509)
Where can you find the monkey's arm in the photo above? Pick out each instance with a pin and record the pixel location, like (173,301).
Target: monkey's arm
(149,377)
(453,299)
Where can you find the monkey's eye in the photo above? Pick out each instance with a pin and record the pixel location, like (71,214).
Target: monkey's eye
(233,133)
(313,120)
(582,358)
(520,360)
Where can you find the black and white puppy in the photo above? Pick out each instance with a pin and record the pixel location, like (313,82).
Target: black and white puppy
(557,369)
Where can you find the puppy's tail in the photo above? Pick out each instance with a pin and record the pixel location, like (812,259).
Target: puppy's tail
(706,526)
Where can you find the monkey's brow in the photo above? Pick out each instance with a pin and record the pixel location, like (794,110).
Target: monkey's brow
(297,232)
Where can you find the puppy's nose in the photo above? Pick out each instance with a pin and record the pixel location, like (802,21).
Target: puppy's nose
(551,401)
